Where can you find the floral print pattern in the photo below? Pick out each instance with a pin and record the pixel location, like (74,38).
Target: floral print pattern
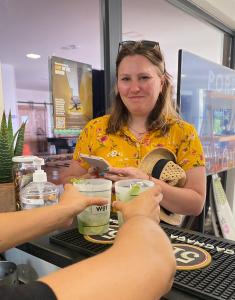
(123,149)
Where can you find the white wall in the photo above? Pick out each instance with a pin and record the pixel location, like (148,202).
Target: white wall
(173,28)
(9,93)
(33,96)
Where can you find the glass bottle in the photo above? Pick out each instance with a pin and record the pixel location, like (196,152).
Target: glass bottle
(22,172)
(39,192)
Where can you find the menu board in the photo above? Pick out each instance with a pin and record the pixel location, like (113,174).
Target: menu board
(71,86)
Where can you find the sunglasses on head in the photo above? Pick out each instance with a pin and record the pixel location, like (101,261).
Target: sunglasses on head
(145,43)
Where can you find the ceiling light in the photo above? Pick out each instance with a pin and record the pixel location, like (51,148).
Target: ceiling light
(33,55)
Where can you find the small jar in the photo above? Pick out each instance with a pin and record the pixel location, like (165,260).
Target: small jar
(23,169)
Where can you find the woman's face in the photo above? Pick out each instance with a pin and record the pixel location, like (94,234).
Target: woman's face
(138,84)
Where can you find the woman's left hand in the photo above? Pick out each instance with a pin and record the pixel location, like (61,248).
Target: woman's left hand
(116,174)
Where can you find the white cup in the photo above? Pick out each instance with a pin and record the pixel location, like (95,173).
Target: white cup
(94,220)
(126,190)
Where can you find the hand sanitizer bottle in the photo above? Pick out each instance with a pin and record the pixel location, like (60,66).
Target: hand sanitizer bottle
(39,192)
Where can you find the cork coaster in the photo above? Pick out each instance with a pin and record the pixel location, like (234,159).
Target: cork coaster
(189,257)
(106,238)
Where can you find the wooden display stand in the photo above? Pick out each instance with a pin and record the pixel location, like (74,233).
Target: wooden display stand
(7,197)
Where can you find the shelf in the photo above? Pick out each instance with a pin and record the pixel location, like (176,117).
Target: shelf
(228,138)
(219,95)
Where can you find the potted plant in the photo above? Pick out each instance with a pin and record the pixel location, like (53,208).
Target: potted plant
(10,145)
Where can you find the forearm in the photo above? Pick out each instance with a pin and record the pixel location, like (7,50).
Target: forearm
(26,225)
(139,266)
(181,200)
(74,170)
(153,266)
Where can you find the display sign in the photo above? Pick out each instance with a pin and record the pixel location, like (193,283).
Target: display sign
(71,85)
(206,97)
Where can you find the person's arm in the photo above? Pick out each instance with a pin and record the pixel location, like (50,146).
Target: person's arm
(78,168)
(76,171)
(22,226)
(187,200)
(140,265)
(73,171)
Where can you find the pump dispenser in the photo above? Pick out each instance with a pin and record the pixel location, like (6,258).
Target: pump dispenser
(40,192)
(39,175)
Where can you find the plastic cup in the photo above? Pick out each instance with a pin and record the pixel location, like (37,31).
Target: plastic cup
(126,190)
(94,220)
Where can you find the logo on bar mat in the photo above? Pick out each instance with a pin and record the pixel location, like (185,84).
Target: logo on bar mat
(189,257)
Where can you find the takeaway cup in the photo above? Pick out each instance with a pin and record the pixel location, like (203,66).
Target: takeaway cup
(126,190)
(94,220)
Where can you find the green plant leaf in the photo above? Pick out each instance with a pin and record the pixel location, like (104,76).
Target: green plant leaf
(7,149)
(20,141)
(3,130)
(5,155)
(10,128)
(12,145)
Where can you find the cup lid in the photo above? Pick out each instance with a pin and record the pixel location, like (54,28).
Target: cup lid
(24,158)
(127,183)
(93,185)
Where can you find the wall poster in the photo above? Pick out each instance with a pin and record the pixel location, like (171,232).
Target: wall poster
(71,86)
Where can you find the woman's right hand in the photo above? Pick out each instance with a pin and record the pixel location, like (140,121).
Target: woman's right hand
(91,173)
(116,174)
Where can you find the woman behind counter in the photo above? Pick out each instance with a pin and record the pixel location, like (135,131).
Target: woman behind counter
(142,119)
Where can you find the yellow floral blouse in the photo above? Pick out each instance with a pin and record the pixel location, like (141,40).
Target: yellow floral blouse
(124,150)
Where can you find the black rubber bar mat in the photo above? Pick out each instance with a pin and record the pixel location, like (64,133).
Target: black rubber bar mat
(215,282)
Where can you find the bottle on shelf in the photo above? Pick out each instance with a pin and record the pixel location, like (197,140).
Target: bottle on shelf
(39,192)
